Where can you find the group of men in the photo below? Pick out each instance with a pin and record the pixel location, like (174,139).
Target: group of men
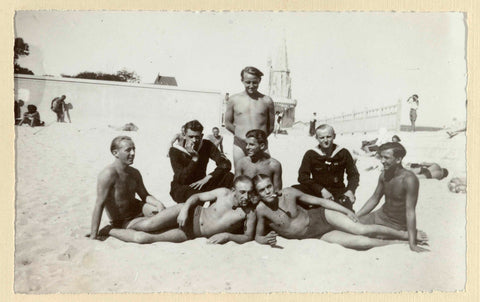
(252,203)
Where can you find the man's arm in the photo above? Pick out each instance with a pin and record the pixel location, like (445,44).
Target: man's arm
(326,203)
(277,176)
(195,200)
(373,201)
(248,235)
(104,184)
(271,116)
(229,118)
(260,236)
(353,177)
(143,193)
(239,168)
(221,144)
(304,174)
(411,183)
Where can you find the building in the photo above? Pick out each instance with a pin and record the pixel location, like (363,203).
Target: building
(162,80)
(279,86)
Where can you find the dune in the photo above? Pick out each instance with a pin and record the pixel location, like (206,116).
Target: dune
(56,170)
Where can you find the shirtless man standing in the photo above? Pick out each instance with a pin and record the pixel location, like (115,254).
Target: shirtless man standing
(230,211)
(400,187)
(116,188)
(216,139)
(258,161)
(330,221)
(247,110)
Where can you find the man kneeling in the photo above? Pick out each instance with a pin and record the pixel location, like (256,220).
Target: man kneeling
(231,210)
(330,221)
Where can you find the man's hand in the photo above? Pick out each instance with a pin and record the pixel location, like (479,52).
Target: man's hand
(352,216)
(199,184)
(182,217)
(350,195)
(326,194)
(271,238)
(218,238)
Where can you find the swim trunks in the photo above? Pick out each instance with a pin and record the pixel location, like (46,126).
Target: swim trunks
(123,223)
(317,224)
(379,217)
(426,172)
(192,225)
(240,143)
(413,115)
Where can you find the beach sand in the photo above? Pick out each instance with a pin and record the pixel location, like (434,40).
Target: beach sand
(56,171)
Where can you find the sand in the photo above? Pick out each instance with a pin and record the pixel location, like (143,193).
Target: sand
(56,170)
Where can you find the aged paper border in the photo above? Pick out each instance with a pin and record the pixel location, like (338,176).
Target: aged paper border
(470,7)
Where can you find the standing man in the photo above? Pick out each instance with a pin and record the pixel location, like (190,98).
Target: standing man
(248,110)
(216,139)
(189,164)
(323,168)
(413,102)
(313,123)
(400,187)
(58,106)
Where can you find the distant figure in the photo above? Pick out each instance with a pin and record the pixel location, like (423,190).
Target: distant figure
(31,117)
(324,167)
(396,139)
(189,164)
(278,122)
(231,217)
(67,108)
(280,213)
(58,106)
(258,161)
(428,170)
(313,123)
(18,111)
(178,139)
(116,188)
(400,188)
(248,110)
(413,102)
(126,127)
(216,139)
(458,185)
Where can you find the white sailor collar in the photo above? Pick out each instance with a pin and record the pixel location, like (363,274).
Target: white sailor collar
(336,149)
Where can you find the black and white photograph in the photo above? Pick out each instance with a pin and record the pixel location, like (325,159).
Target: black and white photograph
(240,152)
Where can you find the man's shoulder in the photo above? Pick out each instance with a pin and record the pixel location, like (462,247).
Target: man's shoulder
(409,176)
(107,173)
(274,163)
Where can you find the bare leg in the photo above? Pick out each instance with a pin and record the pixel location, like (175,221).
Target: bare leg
(173,235)
(342,223)
(356,242)
(164,219)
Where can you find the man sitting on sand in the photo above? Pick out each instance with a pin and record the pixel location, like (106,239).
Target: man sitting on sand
(216,139)
(323,168)
(400,187)
(247,110)
(428,170)
(31,117)
(231,211)
(258,161)
(116,188)
(189,164)
(331,222)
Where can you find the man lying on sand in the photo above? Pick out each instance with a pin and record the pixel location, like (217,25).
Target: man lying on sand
(116,188)
(400,187)
(428,170)
(231,211)
(330,222)
(258,161)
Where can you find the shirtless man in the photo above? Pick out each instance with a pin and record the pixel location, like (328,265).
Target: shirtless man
(116,188)
(247,110)
(216,139)
(230,212)
(428,170)
(258,161)
(330,222)
(400,187)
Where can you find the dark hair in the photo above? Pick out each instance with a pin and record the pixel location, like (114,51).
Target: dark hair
(241,178)
(117,140)
(251,70)
(396,137)
(215,128)
(445,173)
(397,148)
(194,126)
(257,134)
(258,178)
(31,108)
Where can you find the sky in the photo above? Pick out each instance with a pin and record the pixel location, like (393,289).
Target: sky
(339,62)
